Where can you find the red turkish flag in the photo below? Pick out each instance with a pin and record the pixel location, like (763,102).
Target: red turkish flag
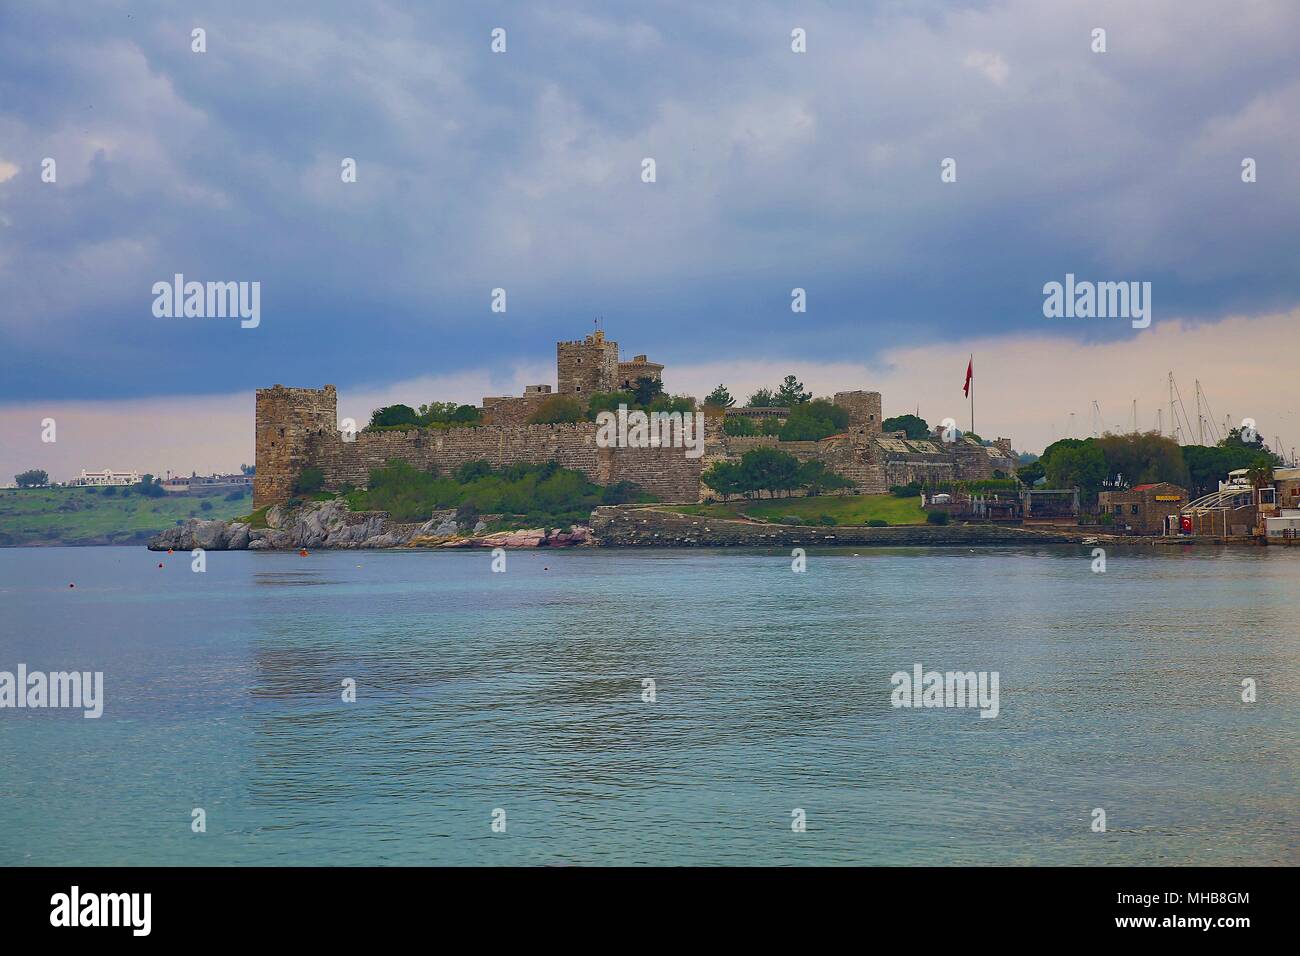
(970,374)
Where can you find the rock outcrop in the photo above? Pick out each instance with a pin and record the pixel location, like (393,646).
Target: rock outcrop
(332,525)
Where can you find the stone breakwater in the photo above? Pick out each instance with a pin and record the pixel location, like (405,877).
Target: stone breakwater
(620,526)
(330,524)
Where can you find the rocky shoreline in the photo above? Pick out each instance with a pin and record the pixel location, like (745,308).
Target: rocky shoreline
(641,527)
(331,525)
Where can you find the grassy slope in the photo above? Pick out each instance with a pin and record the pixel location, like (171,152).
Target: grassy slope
(32,515)
(847,509)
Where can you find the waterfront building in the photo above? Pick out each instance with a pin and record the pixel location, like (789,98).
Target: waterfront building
(105,477)
(1142,509)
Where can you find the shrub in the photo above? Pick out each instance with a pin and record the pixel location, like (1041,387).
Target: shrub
(547,493)
(792,519)
(621,493)
(559,409)
(206,506)
(912,490)
(310,479)
(828,519)
(739,426)
(936,517)
(473,470)
(877,523)
(467,515)
(813,421)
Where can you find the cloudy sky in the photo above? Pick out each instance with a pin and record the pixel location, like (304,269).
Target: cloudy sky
(522,170)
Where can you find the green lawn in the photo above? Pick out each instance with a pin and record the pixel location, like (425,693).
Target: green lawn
(80,516)
(846,509)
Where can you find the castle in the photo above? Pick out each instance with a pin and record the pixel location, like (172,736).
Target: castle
(298,427)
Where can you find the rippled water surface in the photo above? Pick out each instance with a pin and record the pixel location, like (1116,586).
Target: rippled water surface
(523,691)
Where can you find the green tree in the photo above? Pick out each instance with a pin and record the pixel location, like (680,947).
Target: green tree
(815,478)
(724,477)
(1260,472)
(1207,465)
(1080,466)
(813,421)
(35,478)
(770,470)
(446,414)
(391,415)
(763,398)
(1030,473)
(672,403)
(790,393)
(1142,458)
(647,390)
(609,402)
(739,426)
(1060,443)
(915,427)
(149,487)
(720,398)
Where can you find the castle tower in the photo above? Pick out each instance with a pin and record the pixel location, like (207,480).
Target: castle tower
(863,409)
(286,419)
(585,367)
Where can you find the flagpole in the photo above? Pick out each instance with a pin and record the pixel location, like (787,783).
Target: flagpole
(972,393)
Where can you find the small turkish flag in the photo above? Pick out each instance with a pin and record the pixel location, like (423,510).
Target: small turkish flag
(970,374)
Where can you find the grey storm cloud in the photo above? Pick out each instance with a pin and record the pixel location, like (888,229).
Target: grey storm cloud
(521,170)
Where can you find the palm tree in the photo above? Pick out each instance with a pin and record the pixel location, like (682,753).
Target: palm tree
(1260,472)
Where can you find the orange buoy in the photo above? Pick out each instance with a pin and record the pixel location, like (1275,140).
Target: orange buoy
(169,551)
(302,553)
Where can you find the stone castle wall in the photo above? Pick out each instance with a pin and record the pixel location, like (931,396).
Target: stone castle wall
(297,427)
(664,472)
(513,410)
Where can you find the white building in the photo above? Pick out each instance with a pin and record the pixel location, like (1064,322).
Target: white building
(1285,525)
(105,477)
